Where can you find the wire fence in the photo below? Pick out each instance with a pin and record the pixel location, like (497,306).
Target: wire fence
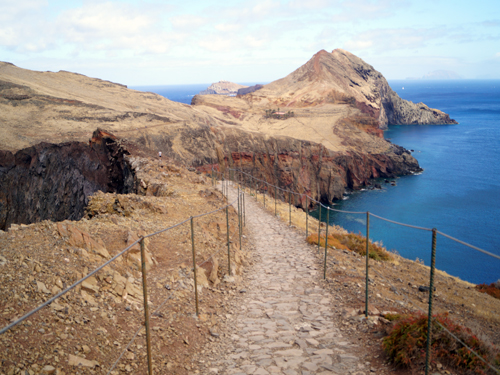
(273,193)
(269,190)
(238,202)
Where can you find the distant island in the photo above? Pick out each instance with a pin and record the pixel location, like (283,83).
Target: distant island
(438,75)
(223,88)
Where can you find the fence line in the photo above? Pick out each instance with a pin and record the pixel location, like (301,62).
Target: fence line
(372,214)
(240,202)
(140,241)
(432,268)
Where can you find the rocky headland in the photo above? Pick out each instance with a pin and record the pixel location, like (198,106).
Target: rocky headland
(328,139)
(223,88)
(54,164)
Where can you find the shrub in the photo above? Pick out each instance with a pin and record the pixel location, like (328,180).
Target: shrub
(491,289)
(392,317)
(353,242)
(406,344)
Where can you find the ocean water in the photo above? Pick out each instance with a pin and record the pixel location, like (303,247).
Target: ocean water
(181,93)
(459,191)
(176,93)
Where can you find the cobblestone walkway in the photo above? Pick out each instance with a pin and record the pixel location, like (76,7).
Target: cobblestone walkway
(283,323)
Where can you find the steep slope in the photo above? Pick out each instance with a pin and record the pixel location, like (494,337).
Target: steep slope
(55,181)
(63,106)
(341,77)
(326,146)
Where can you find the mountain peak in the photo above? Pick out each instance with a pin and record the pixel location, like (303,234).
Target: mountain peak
(342,78)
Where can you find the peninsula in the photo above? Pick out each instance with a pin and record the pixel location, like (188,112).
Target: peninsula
(328,138)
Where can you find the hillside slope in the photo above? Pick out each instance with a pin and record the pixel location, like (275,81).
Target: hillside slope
(330,142)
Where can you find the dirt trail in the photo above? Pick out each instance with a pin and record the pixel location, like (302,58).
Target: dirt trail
(286,320)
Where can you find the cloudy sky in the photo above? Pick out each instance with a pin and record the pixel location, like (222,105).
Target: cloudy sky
(162,42)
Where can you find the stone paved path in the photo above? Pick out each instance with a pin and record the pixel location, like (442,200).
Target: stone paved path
(284,324)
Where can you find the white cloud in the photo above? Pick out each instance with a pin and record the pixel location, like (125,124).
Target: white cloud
(105,20)
(188,21)
(228,27)
(113,26)
(248,12)
(265,8)
(310,4)
(359,10)
(255,42)
(214,43)
(393,39)
(10,10)
(23,27)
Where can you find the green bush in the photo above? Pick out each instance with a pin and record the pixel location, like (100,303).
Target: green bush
(392,317)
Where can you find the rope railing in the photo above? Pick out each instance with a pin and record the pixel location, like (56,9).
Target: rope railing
(371,214)
(239,210)
(239,204)
(368,214)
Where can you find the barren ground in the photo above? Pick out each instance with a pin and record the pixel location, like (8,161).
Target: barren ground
(96,321)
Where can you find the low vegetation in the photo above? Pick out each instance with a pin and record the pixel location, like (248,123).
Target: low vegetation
(492,289)
(406,344)
(276,114)
(352,242)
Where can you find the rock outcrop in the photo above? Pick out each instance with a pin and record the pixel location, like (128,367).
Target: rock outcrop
(54,181)
(298,165)
(341,77)
(250,89)
(223,88)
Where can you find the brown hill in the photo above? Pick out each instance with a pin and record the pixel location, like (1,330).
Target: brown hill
(223,88)
(330,79)
(328,138)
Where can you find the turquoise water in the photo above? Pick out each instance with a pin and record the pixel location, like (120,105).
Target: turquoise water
(458,192)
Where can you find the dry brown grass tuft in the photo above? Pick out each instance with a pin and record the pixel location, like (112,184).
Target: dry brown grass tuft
(353,242)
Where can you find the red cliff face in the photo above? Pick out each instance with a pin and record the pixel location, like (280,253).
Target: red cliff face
(317,172)
(297,165)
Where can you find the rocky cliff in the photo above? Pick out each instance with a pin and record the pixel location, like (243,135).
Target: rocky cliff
(54,181)
(223,88)
(331,140)
(341,77)
(298,165)
(248,90)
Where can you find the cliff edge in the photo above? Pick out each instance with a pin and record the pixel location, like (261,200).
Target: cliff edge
(308,132)
(341,77)
(223,88)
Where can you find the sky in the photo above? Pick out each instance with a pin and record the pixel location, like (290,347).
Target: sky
(162,42)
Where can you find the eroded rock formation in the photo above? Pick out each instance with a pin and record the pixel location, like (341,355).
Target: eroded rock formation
(54,181)
(250,89)
(331,138)
(223,88)
(298,165)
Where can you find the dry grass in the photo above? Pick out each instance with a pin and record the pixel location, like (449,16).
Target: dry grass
(352,242)
(395,282)
(491,289)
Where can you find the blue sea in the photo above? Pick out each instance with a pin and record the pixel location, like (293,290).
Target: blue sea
(459,191)
(176,93)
